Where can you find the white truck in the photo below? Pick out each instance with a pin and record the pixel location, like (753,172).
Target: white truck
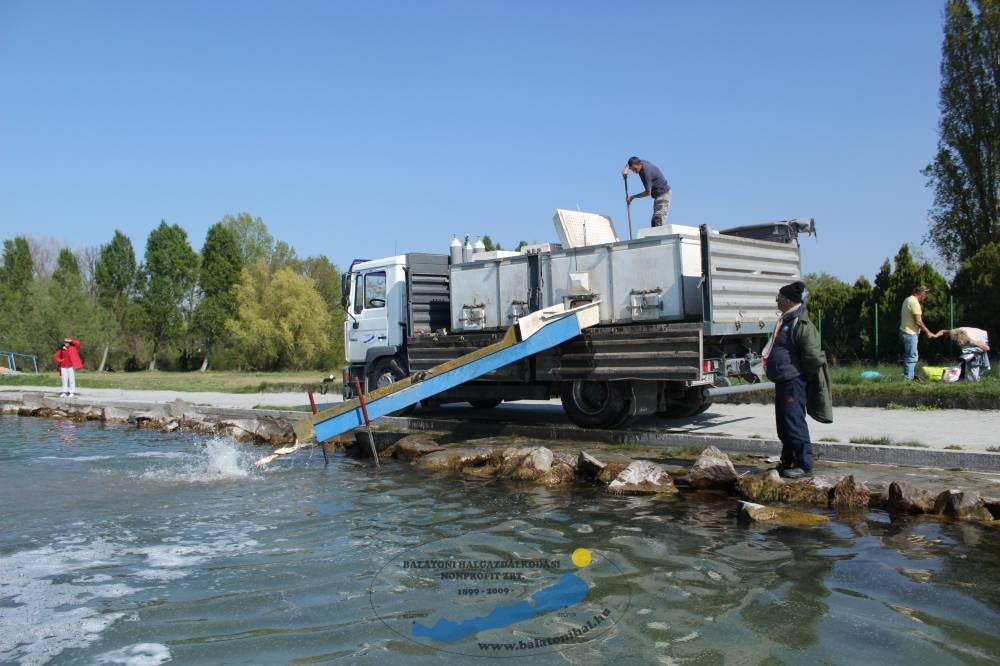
(683,310)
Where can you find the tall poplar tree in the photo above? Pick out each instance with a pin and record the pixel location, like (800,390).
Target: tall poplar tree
(965,173)
(115,274)
(170,269)
(221,264)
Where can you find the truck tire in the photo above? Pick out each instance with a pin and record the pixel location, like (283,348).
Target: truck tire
(386,371)
(485,403)
(595,404)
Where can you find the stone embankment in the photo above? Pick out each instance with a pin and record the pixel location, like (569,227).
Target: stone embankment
(177,416)
(713,470)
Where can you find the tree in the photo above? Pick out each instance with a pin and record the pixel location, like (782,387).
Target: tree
(976,287)
(891,288)
(115,274)
(221,264)
(68,309)
(281,321)
(326,276)
(256,242)
(17,269)
(171,270)
(965,173)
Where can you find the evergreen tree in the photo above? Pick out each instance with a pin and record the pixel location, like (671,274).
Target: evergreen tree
(115,274)
(171,271)
(221,264)
(965,173)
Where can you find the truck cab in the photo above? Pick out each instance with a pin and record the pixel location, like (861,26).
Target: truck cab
(386,301)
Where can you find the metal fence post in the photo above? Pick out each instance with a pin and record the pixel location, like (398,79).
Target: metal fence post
(876,332)
(951,320)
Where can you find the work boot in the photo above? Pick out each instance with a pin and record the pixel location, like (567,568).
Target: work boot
(794,473)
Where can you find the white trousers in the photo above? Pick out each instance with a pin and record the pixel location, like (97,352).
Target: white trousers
(68,380)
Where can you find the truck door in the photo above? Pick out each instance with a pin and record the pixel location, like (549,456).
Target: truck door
(370,314)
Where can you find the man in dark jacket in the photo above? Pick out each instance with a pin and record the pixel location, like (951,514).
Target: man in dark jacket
(797,366)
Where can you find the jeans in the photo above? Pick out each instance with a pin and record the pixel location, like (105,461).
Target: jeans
(68,376)
(661,208)
(909,353)
(790,417)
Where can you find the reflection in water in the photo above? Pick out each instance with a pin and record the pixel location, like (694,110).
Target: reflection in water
(153,546)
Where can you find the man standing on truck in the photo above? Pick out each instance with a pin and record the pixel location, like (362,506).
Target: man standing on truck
(911,322)
(797,365)
(656,186)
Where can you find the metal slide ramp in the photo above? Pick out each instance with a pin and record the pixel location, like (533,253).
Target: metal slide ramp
(532,333)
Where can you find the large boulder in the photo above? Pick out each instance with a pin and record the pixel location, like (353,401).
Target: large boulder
(536,464)
(178,408)
(907,498)
(412,447)
(751,512)
(641,477)
(849,495)
(712,469)
(610,471)
(151,419)
(116,415)
(962,504)
(458,458)
(587,466)
(993,504)
(769,486)
(31,404)
(276,432)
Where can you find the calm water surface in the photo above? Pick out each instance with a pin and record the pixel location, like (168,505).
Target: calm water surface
(128,547)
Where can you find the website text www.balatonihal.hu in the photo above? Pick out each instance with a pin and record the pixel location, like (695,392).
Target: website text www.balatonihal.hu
(568,637)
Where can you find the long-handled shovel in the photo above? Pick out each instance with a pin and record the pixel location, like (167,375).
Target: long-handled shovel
(628,206)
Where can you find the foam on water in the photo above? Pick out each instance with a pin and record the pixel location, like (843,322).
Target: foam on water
(219,460)
(76,458)
(49,616)
(140,654)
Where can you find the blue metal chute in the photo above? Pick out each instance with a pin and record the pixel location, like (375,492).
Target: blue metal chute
(532,334)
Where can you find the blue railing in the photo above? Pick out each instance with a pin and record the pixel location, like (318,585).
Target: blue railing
(12,360)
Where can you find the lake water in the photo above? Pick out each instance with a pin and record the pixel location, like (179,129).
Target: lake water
(126,547)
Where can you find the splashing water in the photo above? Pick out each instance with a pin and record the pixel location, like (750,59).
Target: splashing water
(218,460)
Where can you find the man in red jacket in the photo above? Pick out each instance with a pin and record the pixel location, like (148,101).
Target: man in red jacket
(68,361)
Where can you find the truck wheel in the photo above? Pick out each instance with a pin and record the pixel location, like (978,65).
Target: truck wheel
(485,403)
(384,372)
(595,404)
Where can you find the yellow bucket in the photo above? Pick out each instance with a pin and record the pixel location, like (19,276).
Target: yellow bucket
(932,373)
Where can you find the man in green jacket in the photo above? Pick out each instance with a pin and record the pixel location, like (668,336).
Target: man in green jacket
(796,364)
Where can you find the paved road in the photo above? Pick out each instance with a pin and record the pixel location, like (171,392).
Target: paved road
(973,430)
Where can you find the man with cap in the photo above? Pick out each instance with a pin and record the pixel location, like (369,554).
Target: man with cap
(911,322)
(796,364)
(655,185)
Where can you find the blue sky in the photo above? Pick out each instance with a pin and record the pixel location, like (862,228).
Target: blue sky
(360,129)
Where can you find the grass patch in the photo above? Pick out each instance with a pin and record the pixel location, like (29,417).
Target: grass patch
(993,449)
(829,439)
(217,381)
(885,441)
(954,447)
